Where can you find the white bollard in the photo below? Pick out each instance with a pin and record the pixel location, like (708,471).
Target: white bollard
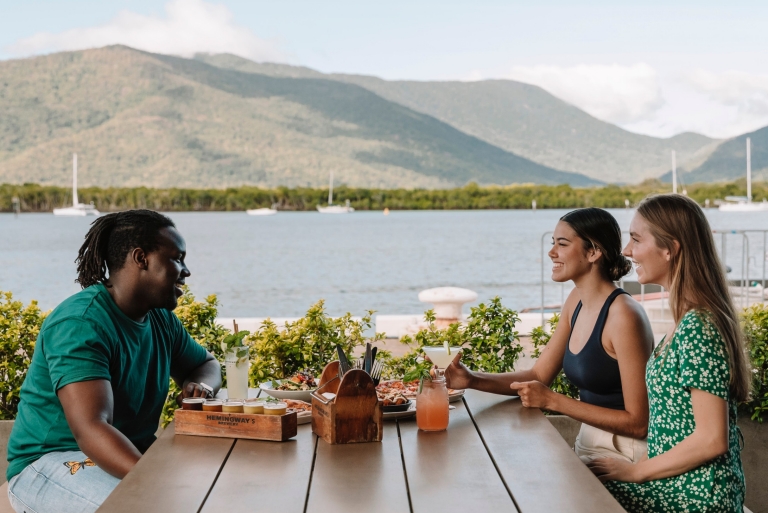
(447,303)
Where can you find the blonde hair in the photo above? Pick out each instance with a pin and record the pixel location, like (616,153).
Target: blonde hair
(697,275)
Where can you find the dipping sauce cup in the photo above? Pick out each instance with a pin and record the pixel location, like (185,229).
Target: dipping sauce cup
(233,407)
(253,407)
(192,403)
(212,406)
(275,408)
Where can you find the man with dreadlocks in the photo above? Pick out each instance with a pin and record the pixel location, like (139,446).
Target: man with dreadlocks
(95,389)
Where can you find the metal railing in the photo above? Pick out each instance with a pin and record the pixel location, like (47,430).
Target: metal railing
(731,241)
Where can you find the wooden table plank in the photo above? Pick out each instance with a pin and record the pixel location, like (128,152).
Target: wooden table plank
(265,476)
(359,477)
(541,471)
(173,476)
(451,470)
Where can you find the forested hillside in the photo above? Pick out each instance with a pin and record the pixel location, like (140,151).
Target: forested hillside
(142,119)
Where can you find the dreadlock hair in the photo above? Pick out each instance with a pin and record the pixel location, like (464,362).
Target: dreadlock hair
(112,237)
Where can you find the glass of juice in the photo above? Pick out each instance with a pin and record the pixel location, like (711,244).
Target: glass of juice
(214,405)
(254,407)
(275,408)
(432,405)
(236,363)
(231,406)
(192,403)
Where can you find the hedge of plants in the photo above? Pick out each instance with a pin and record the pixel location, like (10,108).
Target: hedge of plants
(489,338)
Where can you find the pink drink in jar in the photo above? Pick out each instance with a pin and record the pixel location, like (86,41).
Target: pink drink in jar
(432,406)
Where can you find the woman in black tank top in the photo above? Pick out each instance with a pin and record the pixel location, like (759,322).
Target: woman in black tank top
(602,343)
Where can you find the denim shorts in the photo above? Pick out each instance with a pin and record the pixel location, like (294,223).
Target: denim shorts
(60,482)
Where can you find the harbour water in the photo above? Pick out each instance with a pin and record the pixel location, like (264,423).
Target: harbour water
(279,265)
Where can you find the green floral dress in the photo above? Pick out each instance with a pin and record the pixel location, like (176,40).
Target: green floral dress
(695,358)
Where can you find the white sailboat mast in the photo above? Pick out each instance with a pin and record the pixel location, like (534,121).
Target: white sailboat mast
(749,172)
(674,173)
(330,190)
(74,180)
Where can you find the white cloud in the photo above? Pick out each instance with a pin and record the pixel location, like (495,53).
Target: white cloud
(748,92)
(615,93)
(189,27)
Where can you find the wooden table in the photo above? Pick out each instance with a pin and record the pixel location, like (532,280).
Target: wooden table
(496,455)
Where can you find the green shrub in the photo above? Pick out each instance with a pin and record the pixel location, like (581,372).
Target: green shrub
(19,326)
(540,338)
(488,340)
(755,322)
(307,343)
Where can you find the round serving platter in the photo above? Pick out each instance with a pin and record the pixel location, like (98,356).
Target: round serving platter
(296,395)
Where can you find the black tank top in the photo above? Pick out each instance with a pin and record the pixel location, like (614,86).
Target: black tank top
(592,370)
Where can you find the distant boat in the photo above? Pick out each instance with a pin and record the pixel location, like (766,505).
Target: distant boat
(744,203)
(331,208)
(261,211)
(77,209)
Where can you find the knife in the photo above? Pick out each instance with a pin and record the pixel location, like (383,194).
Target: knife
(343,363)
(367,364)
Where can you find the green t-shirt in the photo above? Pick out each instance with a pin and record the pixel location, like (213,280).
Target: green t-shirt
(88,337)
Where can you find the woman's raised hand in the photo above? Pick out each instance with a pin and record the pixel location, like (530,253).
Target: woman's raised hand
(457,376)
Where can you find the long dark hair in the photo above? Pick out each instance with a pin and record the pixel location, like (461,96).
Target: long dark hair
(112,237)
(599,230)
(697,275)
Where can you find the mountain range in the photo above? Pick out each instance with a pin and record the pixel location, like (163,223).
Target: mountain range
(137,118)
(729,160)
(520,118)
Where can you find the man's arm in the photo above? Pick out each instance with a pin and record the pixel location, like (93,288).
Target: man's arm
(88,408)
(209,372)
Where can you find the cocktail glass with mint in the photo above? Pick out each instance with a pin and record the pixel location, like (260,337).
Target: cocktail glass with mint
(441,356)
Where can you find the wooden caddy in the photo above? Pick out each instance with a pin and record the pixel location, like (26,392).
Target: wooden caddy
(354,415)
(277,428)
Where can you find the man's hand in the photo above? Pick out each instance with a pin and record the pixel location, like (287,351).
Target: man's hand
(193,389)
(534,394)
(457,376)
(612,469)
(191,384)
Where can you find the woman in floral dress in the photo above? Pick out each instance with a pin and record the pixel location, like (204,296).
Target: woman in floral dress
(695,377)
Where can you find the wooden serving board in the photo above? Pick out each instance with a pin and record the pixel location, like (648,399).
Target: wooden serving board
(278,428)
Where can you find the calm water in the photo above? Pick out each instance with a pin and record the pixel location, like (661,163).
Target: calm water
(279,265)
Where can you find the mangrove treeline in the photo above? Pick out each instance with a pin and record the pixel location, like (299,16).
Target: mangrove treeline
(38,198)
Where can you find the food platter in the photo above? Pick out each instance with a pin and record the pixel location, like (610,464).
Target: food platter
(410,412)
(296,395)
(409,390)
(303,410)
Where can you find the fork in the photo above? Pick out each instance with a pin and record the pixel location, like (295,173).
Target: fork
(376,371)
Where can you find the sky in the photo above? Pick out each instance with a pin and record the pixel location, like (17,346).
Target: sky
(652,67)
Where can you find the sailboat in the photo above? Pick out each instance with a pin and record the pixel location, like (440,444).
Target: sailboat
(331,208)
(263,211)
(77,209)
(744,203)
